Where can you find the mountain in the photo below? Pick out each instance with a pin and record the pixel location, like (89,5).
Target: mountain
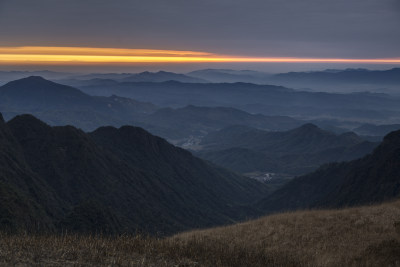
(307,138)
(146,76)
(162,76)
(298,151)
(265,99)
(101,76)
(391,76)
(8,76)
(111,180)
(376,130)
(373,178)
(17,208)
(198,121)
(231,76)
(60,104)
(348,79)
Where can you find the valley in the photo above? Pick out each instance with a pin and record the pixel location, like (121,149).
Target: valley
(72,162)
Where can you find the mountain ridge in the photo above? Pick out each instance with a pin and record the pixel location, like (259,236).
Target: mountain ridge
(143,183)
(294,152)
(371,179)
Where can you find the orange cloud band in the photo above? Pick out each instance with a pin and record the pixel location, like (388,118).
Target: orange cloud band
(86,55)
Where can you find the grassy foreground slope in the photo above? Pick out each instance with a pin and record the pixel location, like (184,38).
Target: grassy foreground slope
(362,236)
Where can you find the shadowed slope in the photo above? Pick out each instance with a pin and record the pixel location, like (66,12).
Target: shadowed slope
(373,178)
(126,178)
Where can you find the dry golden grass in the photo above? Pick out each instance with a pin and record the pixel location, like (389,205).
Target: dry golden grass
(364,236)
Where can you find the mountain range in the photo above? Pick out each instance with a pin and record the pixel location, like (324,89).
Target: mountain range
(376,130)
(333,80)
(355,78)
(297,151)
(193,121)
(231,76)
(372,179)
(167,89)
(265,99)
(58,104)
(126,180)
(117,180)
(162,76)
(111,180)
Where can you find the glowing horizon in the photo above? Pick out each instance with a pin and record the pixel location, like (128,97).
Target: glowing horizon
(41,55)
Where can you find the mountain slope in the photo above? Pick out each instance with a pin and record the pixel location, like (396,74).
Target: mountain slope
(265,99)
(17,208)
(376,130)
(198,121)
(373,178)
(297,151)
(59,104)
(361,236)
(126,178)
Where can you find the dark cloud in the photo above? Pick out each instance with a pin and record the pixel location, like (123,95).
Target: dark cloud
(358,28)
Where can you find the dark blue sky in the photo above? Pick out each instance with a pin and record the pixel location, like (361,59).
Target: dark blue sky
(298,28)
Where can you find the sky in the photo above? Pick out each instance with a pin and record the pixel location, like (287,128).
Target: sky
(344,29)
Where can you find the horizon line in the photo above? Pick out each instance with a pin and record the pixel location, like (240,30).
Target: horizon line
(51,55)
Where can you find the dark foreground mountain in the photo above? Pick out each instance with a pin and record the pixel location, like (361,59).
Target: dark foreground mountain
(298,151)
(373,178)
(111,180)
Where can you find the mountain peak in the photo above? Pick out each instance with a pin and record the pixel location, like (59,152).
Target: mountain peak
(32,79)
(27,121)
(309,127)
(392,138)
(34,89)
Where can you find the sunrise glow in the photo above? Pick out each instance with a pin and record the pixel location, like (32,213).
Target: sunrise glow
(87,55)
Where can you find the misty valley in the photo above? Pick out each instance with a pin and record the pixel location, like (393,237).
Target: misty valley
(146,161)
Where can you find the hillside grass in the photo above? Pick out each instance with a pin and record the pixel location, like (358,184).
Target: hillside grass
(362,236)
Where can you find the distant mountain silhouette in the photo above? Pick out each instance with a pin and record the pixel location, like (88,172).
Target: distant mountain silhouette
(60,104)
(348,80)
(296,151)
(373,178)
(231,76)
(376,130)
(380,77)
(111,180)
(162,76)
(253,98)
(8,76)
